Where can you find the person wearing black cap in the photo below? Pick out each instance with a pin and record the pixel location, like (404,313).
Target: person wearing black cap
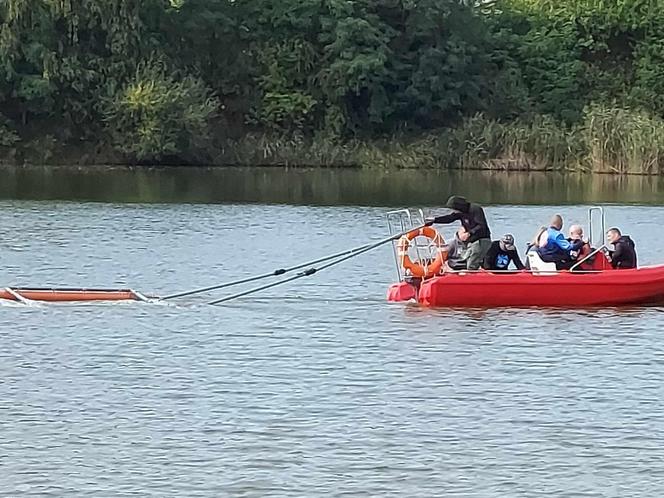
(501,253)
(472,218)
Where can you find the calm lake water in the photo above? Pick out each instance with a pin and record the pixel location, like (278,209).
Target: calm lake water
(316,388)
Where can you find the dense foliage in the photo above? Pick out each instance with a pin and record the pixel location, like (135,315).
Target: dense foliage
(535,82)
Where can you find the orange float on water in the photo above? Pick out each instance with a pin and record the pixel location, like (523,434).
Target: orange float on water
(69,295)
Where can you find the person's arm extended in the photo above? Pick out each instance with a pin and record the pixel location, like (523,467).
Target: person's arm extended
(517,260)
(563,243)
(447,218)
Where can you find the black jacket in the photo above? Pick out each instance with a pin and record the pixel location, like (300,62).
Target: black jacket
(498,259)
(623,255)
(471,216)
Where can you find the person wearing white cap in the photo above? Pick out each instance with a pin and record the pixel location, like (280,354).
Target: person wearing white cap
(501,253)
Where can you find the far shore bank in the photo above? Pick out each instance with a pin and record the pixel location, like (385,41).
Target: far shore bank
(612,141)
(491,169)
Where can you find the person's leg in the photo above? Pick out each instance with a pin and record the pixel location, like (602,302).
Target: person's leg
(473,255)
(476,252)
(485,246)
(457,264)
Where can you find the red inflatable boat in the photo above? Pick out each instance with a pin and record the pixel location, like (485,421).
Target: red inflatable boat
(594,284)
(483,289)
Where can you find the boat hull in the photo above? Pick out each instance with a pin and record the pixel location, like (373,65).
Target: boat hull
(68,295)
(643,286)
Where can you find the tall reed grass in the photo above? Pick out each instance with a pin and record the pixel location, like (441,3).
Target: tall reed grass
(538,145)
(623,141)
(610,139)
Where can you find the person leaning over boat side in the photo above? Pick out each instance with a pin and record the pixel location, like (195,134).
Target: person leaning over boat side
(553,247)
(501,253)
(457,250)
(473,219)
(623,256)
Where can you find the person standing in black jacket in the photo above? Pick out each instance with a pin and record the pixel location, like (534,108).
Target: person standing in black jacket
(501,253)
(472,218)
(623,255)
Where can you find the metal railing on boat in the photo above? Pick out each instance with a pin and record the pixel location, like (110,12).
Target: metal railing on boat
(589,256)
(401,221)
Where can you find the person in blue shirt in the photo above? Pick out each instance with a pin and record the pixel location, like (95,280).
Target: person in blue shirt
(554,247)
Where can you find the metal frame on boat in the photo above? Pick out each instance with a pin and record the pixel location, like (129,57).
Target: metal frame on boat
(400,221)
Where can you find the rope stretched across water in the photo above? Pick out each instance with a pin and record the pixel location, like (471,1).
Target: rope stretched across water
(275,273)
(338,258)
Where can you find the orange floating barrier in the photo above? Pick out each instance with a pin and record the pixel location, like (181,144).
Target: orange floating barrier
(55,295)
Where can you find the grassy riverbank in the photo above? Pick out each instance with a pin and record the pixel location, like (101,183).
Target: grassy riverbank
(607,140)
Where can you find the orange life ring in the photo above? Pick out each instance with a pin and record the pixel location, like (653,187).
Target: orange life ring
(419,269)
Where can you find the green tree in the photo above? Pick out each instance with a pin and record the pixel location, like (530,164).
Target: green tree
(160,114)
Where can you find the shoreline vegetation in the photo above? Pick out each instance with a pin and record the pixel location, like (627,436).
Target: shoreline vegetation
(505,85)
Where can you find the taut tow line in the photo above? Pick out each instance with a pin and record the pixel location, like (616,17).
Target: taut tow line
(331,260)
(275,273)
(334,259)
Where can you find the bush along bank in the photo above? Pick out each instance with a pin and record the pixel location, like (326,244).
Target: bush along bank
(608,140)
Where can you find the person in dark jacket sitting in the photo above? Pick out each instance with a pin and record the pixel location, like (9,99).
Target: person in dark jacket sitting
(623,255)
(555,248)
(501,253)
(472,218)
